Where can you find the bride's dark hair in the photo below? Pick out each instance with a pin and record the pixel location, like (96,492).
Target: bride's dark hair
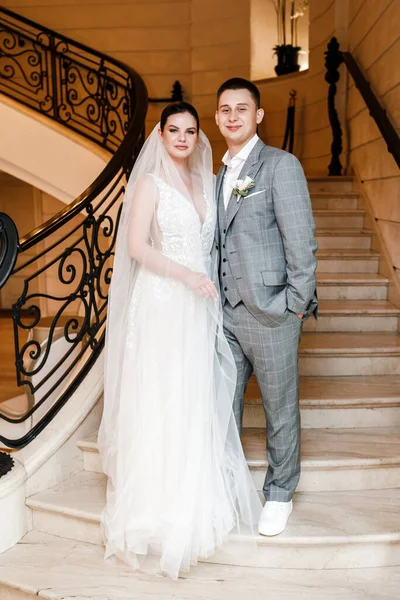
(176,108)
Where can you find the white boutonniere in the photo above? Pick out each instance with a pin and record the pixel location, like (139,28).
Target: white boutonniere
(243,187)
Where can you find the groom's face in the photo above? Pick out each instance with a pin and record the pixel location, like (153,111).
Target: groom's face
(237,116)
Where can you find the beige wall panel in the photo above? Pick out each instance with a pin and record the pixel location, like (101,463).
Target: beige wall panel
(202,10)
(220,56)
(317,9)
(354,7)
(219,149)
(156,63)
(316,144)
(50,205)
(160,86)
(355,102)
(374,161)
(232,30)
(154,110)
(383,73)
(317,165)
(209,82)
(317,58)
(363,129)
(206,105)
(384,195)
(208,10)
(16,200)
(321,46)
(391,102)
(273,125)
(310,90)
(309,119)
(19,4)
(383,34)
(211,130)
(110,15)
(132,38)
(322,26)
(314,117)
(365,20)
(391,234)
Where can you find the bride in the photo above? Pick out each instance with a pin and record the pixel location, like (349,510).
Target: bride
(178,481)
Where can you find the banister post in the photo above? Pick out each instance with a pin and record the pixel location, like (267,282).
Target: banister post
(333,60)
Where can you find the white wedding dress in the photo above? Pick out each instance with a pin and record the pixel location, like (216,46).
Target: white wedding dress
(178,479)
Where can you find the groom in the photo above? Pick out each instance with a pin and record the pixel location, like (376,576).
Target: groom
(266,244)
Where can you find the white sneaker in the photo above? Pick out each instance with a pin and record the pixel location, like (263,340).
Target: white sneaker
(274,517)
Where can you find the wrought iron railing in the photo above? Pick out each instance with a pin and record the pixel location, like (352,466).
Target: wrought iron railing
(62,269)
(334,57)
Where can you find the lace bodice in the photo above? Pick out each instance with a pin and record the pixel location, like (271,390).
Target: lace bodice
(184,238)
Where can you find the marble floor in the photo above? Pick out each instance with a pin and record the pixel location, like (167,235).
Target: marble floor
(43,566)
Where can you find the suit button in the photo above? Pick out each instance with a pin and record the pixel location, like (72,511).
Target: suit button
(216,247)
(223,245)
(223,274)
(224,260)
(224,230)
(225,289)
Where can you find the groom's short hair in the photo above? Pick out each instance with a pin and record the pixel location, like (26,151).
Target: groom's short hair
(238,83)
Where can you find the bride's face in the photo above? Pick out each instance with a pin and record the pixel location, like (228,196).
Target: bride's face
(180,135)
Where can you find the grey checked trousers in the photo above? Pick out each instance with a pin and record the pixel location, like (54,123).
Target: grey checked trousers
(272,353)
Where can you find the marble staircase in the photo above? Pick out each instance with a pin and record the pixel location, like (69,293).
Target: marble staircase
(347,508)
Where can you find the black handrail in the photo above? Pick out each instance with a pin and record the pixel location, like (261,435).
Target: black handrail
(104,100)
(334,57)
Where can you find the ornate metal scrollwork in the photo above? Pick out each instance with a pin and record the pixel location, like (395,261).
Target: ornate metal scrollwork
(60,316)
(63,80)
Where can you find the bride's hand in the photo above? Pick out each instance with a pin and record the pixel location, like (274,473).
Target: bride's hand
(200,284)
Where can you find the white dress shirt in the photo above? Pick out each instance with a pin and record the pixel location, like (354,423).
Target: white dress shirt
(234,166)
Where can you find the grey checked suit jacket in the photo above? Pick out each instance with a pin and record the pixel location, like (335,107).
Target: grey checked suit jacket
(269,237)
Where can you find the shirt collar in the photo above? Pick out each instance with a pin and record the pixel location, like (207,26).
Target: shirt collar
(241,156)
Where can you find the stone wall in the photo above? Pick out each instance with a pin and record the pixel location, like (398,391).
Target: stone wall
(373,34)
(220,34)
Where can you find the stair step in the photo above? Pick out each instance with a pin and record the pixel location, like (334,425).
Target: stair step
(349,260)
(53,568)
(337,402)
(354,315)
(352,286)
(334,200)
(336,460)
(344,238)
(330,184)
(334,354)
(340,530)
(331,460)
(340,218)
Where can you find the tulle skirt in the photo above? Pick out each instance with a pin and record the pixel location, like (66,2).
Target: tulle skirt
(178,482)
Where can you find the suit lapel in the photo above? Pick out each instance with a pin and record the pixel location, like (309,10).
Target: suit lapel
(220,179)
(249,169)
(219,202)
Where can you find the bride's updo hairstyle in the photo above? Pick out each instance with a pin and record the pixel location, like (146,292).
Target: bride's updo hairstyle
(176,108)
